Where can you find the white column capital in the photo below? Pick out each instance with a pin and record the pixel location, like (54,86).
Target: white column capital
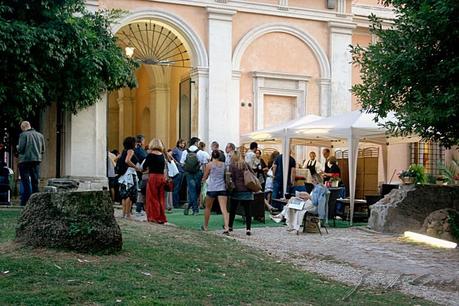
(220,14)
(236,75)
(341,27)
(199,72)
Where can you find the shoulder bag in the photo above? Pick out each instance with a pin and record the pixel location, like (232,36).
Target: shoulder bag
(250,180)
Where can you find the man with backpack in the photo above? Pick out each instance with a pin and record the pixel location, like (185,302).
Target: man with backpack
(193,174)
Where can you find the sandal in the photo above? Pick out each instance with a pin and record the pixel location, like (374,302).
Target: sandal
(203,228)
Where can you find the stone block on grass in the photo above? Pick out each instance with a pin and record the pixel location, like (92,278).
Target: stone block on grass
(76,221)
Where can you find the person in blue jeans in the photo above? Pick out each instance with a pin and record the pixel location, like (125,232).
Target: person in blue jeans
(178,179)
(193,174)
(193,181)
(278,173)
(31,148)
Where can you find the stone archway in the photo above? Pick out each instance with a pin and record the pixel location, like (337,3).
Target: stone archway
(159,79)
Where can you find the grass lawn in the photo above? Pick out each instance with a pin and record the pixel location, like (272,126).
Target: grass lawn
(216,221)
(165,265)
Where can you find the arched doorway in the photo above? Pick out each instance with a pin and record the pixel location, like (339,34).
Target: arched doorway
(153,107)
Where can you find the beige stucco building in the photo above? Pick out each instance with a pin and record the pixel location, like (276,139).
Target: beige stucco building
(218,69)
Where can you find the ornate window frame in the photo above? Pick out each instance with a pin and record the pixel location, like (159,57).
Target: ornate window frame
(278,84)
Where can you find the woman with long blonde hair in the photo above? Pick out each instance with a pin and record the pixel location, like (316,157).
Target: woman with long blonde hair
(155,200)
(241,194)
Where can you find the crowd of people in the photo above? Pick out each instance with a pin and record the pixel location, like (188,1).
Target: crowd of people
(151,177)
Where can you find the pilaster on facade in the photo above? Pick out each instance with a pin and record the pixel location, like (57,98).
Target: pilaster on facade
(221,108)
(283,5)
(341,6)
(199,103)
(341,67)
(325,90)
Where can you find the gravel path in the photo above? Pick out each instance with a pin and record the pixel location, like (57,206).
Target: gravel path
(357,255)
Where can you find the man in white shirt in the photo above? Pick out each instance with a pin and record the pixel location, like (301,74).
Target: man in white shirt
(192,148)
(251,157)
(230,148)
(313,166)
(202,155)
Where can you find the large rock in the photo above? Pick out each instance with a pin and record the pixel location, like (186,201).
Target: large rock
(79,221)
(406,208)
(437,224)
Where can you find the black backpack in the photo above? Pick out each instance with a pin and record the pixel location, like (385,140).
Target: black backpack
(191,164)
(121,166)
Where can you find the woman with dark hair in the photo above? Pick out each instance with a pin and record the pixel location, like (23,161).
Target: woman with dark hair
(270,177)
(333,170)
(155,162)
(216,188)
(241,194)
(126,166)
(261,168)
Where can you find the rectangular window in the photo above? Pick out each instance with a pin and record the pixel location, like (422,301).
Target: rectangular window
(429,154)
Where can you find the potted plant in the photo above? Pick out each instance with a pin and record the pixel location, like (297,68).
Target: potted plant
(441,180)
(414,175)
(335,179)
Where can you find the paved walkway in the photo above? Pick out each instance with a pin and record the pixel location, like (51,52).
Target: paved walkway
(357,255)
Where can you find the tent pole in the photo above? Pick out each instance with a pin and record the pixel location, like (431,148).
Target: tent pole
(353,144)
(285,162)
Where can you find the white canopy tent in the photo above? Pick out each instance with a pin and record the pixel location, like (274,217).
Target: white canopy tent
(277,132)
(350,128)
(343,129)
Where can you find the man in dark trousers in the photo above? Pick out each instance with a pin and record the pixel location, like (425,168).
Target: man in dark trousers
(31,148)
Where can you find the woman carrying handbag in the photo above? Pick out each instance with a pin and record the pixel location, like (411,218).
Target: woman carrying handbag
(155,162)
(241,195)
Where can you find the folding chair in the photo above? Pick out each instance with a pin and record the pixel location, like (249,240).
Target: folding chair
(322,213)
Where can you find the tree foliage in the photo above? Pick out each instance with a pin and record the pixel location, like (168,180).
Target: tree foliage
(413,69)
(57,51)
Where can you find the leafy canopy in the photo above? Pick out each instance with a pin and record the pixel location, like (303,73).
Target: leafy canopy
(57,51)
(413,69)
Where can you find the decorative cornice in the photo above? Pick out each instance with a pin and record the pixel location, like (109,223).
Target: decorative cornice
(280,76)
(265,9)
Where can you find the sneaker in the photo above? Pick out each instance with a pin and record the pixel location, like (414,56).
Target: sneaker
(186,211)
(275,218)
(248,233)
